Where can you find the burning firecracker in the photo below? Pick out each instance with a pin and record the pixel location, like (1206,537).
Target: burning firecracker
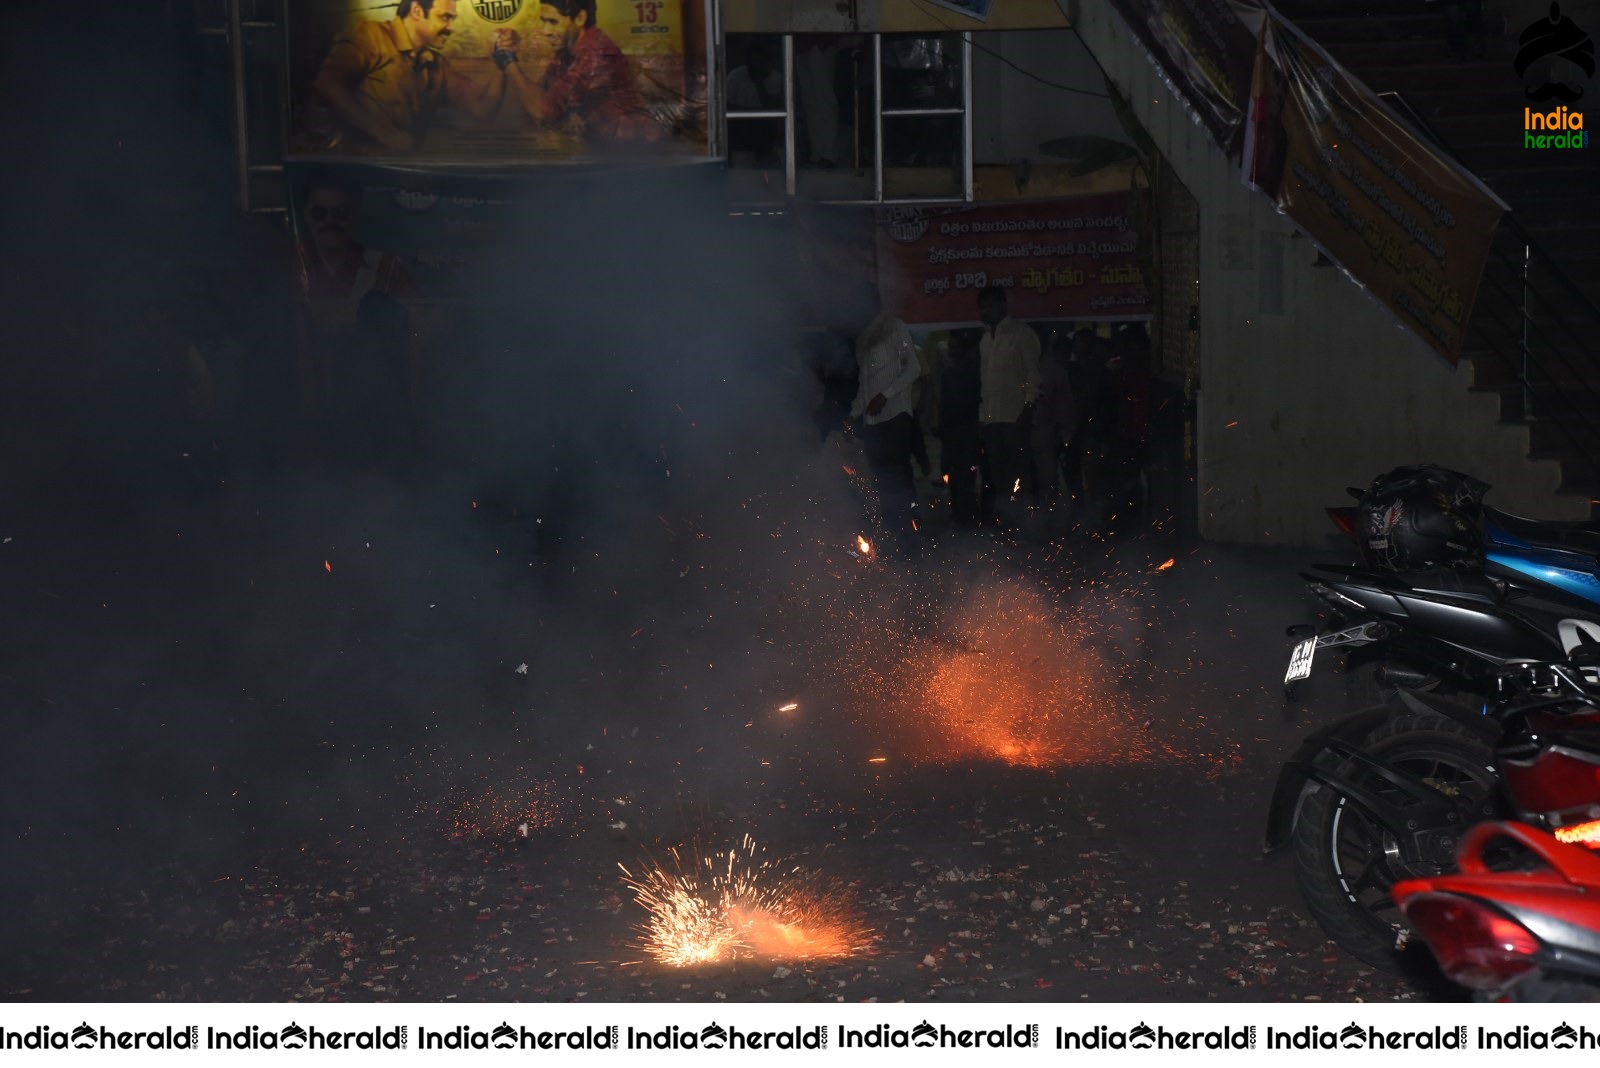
(1009,673)
(737,905)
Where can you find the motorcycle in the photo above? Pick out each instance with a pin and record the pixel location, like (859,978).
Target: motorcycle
(1445,629)
(1386,794)
(1528,934)
(1424,516)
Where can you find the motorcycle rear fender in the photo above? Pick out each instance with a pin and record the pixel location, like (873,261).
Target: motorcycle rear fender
(1470,716)
(1284,809)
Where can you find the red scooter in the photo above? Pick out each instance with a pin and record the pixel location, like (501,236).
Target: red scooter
(1531,933)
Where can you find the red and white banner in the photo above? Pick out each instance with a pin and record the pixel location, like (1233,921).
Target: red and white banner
(1074,258)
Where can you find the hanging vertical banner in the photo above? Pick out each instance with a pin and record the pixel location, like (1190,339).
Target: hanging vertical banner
(1205,51)
(1075,258)
(496,81)
(1407,222)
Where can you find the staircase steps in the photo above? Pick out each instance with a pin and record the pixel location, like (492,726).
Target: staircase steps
(1558,435)
(1473,106)
(1577,476)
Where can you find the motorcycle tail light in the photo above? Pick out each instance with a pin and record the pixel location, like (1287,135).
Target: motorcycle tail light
(1585,834)
(1475,945)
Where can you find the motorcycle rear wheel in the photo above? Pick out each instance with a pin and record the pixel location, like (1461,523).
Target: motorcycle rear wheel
(1346,863)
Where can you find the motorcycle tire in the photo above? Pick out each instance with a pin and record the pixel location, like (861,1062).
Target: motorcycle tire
(1345,863)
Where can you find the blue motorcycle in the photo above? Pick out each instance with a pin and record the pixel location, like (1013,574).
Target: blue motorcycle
(1448,590)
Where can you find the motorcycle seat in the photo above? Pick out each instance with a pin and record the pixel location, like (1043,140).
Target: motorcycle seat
(1457,585)
(1582,536)
(1446,582)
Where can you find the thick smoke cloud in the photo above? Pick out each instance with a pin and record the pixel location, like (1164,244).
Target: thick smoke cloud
(623,479)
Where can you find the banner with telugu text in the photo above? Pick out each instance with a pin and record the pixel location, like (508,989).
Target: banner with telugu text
(1408,223)
(1074,258)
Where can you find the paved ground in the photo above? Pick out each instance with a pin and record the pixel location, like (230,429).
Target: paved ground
(274,745)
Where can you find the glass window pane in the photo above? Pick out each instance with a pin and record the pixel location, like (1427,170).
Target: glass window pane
(835,120)
(922,157)
(755,142)
(755,73)
(922,72)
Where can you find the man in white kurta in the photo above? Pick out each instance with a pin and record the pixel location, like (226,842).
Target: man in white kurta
(889,371)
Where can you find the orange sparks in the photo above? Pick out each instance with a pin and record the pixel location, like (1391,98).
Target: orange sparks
(877,760)
(327,567)
(1010,675)
(849,470)
(947,480)
(1170,561)
(863,545)
(739,905)
(1231,425)
(492,811)
(790,707)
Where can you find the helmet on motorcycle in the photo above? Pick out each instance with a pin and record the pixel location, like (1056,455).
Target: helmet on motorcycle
(1420,517)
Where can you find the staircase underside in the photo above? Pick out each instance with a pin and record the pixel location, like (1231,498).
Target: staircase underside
(1471,100)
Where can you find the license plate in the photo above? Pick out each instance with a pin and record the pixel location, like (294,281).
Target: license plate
(1300,661)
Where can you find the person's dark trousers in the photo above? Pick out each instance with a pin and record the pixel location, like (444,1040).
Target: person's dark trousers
(959,452)
(888,448)
(919,446)
(1006,446)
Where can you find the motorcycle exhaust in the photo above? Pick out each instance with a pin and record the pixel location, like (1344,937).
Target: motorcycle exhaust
(1404,677)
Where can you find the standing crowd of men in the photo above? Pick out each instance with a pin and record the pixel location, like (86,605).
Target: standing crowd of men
(1038,431)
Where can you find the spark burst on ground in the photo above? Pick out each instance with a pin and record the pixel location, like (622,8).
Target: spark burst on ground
(738,904)
(1005,669)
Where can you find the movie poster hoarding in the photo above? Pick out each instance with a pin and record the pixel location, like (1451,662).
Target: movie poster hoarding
(1206,51)
(497,81)
(1408,223)
(1075,258)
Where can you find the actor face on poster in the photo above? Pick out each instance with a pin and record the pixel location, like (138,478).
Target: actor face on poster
(464,79)
(584,81)
(385,80)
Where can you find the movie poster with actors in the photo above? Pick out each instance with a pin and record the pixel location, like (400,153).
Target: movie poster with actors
(497,81)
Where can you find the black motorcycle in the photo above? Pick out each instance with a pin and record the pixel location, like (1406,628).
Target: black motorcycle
(1442,630)
(1491,584)
(1386,794)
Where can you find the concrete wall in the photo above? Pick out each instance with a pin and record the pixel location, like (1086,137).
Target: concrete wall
(1014,114)
(1307,385)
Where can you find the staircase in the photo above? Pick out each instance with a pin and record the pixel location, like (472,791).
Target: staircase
(1534,338)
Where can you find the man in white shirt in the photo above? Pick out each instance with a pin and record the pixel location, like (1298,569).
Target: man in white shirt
(1008,354)
(889,370)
